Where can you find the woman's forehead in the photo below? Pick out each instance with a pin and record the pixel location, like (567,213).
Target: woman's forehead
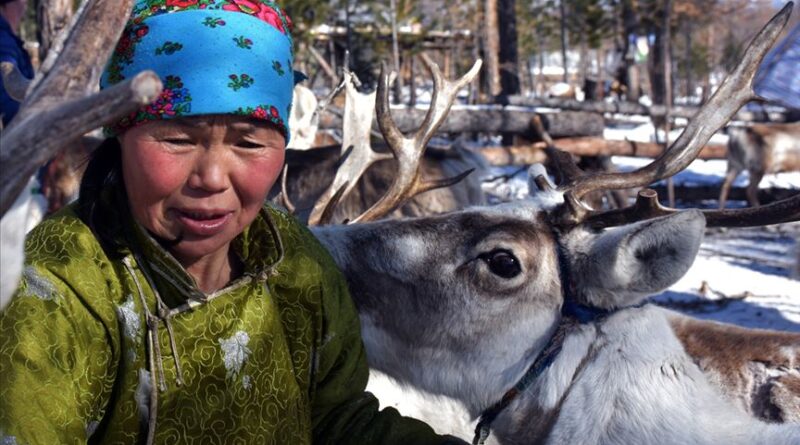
(204,122)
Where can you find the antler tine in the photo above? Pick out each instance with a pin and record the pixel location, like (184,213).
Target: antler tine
(735,91)
(358,156)
(783,211)
(444,93)
(15,83)
(647,206)
(57,108)
(327,212)
(285,191)
(408,151)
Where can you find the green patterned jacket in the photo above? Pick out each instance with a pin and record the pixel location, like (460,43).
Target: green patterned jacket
(89,355)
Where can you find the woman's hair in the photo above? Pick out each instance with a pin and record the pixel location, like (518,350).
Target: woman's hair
(102,195)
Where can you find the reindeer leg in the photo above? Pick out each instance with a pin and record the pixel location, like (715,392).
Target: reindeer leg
(752,187)
(730,176)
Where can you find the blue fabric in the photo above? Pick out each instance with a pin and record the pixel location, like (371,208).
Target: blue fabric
(211,61)
(12,50)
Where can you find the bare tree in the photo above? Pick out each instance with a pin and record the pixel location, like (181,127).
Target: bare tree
(508,53)
(491,47)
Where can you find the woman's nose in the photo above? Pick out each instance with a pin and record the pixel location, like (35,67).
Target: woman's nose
(210,173)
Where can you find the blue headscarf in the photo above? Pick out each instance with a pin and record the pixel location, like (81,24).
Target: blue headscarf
(213,56)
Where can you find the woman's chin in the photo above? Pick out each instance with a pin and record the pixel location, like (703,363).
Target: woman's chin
(191,248)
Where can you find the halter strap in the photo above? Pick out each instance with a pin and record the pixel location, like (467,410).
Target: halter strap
(572,314)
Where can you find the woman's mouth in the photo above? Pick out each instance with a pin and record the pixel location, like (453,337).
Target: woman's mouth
(204,222)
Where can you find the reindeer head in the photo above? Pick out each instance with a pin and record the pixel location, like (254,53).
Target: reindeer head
(467,300)
(462,303)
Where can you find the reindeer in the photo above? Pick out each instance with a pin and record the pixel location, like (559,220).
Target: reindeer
(461,304)
(760,149)
(533,314)
(311,172)
(316,174)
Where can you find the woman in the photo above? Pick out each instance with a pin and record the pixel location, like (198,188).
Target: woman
(168,305)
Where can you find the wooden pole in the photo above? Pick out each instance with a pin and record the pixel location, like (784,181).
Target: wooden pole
(668,90)
(585,146)
(398,83)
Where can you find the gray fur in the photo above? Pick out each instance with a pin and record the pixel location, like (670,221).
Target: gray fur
(435,317)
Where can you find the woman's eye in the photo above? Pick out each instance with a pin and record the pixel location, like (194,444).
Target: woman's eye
(179,141)
(249,144)
(502,263)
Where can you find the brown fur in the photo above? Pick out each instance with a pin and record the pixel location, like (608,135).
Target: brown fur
(786,394)
(63,174)
(759,370)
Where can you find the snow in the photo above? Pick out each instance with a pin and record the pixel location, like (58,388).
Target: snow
(748,273)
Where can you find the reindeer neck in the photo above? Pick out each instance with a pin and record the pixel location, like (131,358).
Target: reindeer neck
(577,320)
(625,378)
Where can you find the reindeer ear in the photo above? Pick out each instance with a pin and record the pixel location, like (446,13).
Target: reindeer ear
(623,266)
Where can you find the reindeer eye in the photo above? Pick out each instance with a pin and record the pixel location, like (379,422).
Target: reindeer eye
(502,263)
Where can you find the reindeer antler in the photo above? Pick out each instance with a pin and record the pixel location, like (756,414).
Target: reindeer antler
(358,154)
(59,106)
(408,150)
(647,206)
(735,91)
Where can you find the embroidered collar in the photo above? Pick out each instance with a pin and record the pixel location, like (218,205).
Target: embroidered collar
(259,247)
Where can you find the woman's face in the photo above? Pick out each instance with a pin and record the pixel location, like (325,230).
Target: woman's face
(198,182)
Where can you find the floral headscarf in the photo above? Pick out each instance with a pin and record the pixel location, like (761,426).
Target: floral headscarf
(213,56)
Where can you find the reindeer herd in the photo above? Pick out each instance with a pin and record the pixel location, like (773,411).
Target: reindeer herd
(529,317)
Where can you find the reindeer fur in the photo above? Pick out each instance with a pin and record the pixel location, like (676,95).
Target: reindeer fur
(436,318)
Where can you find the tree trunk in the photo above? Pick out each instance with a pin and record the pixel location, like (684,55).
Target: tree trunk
(508,54)
(491,48)
(52,16)
(583,66)
(398,83)
(540,79)
(601,71)
(657,58)
(667,55)
(412,81)
(710,64)
(564,40)
(688,67)
(630,72)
